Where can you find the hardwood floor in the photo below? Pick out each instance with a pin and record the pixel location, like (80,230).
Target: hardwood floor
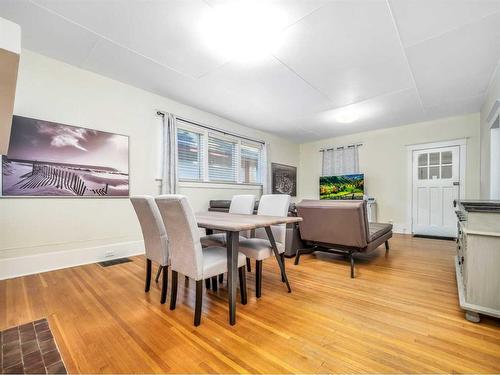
(400,314)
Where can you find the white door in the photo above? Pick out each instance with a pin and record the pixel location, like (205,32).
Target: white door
(435,186)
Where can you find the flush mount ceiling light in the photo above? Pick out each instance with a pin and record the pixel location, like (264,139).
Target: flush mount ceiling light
(242,30)
(346,116)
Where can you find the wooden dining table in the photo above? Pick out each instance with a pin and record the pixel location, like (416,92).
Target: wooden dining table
(233,224)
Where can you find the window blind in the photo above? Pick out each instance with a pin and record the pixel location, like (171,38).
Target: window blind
(250,163)
(190,155)
(221,159)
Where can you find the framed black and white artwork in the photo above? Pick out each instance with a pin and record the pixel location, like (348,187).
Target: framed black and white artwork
(284,179)
(49,159)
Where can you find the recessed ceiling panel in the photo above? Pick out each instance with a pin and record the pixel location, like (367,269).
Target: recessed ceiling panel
(419,20)
(47,33)
(349,50)
(458,64)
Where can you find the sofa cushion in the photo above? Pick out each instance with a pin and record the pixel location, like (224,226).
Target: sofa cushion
(377,230)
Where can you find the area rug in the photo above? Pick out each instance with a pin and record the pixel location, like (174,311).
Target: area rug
(30,349)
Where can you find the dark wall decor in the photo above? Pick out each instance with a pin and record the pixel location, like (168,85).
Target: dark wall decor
(284,179)
(48,159)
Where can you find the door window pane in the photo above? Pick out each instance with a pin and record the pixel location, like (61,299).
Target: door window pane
(221,160)
(189,155)
(422,159)
(446,157)
(434,158)
(422,173)
(446,171)
(433,173)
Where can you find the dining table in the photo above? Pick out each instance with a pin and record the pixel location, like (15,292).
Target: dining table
(233,224)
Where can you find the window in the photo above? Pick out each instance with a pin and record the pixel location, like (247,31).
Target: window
(340,160)
(190,161)
(435,165)
(209,156)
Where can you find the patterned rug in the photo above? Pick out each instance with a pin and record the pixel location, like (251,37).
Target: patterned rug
(30,349)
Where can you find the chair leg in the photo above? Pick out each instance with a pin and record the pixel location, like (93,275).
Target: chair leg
(198,302)
(243,285)
(282,256)
(148,275)
(221,278)
(207,283)
(186,281)
(387,245)
(258,278)
(249,265)
(214,283)
(351,258)
(164,285)
(173,292)
(158,274)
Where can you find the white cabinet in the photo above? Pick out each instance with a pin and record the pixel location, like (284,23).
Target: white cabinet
(478,258)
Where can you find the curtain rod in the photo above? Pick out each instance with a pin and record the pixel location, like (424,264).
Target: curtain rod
(340,147)
(161,113)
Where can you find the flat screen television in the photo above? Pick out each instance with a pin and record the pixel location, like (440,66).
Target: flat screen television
(348,186)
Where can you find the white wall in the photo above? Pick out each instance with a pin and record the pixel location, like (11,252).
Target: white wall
(383,160)
(52,228)
(492,95)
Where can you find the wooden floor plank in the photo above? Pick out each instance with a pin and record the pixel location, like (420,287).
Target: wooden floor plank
(399,315)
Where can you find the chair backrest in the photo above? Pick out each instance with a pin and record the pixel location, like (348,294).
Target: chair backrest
(183,235)
(334,222)
(242,204)
(153,230)
(274,205)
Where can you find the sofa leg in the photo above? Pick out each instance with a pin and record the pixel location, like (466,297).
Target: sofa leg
(303,251)
(351,258)
(387,245)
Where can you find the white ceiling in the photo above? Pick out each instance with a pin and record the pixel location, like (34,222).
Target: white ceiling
(390,62)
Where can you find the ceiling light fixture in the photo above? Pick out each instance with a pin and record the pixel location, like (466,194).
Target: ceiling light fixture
(242,30)
(346,116)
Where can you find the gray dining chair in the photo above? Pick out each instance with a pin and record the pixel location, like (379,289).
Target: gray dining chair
(187,256)
(155,239)
(240,204)
(259,247)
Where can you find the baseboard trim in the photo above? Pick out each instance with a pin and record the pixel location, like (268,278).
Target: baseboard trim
(32,264)
(400,228)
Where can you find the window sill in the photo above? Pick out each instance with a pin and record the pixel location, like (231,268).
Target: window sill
(218,185)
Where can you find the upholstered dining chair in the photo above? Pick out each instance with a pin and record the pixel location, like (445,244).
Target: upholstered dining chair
(187,256)
(259,247)
(155,239)
(240,204)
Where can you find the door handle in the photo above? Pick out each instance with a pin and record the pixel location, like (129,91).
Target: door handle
(456,183)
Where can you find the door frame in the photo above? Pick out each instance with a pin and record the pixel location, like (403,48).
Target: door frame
(461,143)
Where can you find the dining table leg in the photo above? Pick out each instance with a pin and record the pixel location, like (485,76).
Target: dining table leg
(278,257)
(232,272)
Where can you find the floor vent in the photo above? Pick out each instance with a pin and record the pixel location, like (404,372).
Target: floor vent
(434,237)
(113,262)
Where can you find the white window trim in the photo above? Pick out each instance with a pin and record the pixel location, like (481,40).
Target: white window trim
(205,133)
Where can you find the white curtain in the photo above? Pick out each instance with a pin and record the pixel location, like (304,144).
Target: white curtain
(340,160)
(169,178)
(266,169)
